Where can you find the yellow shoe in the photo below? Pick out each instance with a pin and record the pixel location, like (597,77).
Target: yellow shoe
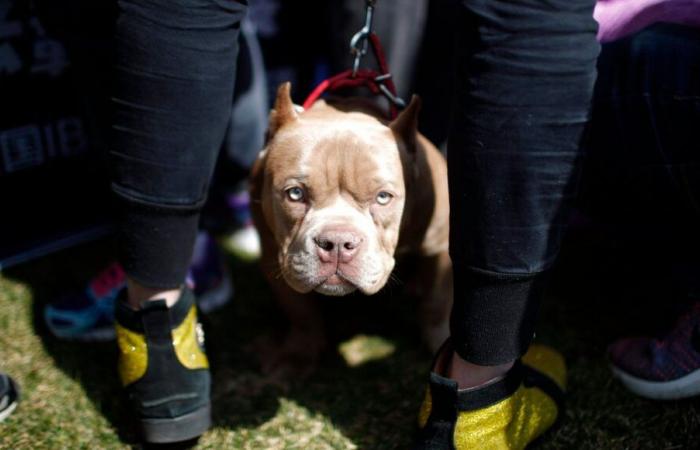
(164,370)
(506,414)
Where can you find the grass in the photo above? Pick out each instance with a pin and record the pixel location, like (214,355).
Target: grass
(364,396)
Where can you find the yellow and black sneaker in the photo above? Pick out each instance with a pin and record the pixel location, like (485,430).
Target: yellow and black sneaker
(163,368)
(506,414)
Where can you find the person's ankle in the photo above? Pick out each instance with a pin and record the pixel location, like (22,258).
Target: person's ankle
(138,293)
(469,375)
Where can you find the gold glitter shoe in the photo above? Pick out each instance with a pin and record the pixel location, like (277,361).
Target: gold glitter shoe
(163,368)
(506,414)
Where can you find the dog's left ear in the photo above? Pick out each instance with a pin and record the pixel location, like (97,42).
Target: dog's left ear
(405,126)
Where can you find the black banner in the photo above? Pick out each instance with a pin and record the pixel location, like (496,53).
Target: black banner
(54,86)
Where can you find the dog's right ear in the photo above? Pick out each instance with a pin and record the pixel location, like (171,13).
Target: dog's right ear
(283,112)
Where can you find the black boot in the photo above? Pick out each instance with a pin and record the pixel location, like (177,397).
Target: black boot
(163,368)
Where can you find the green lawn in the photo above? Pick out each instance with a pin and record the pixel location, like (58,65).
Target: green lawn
(367,399)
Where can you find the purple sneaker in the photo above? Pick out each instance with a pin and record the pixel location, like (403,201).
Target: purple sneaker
(661,369)
(209,276)
(89,315)
(243,241)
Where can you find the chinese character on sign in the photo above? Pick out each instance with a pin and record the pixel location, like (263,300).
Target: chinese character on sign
(49,54)
(21,148)
(10,62)
(49,57)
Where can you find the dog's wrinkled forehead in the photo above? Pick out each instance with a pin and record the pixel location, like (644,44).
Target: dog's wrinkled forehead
(357,157)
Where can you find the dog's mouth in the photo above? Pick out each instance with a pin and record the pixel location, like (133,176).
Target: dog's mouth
(336,279)
(335,284)
(304,274)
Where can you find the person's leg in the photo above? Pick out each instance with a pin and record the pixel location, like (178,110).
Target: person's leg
(175,73)
(643,137)
(174,81)
(230,205)
(645,141)
(524,79)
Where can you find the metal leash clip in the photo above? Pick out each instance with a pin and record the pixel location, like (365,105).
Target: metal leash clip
(396,100)
(358,43)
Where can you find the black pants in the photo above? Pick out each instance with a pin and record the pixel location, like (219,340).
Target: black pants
(526,72)
(642,172)
(643,165)
(174,80)
(525,75)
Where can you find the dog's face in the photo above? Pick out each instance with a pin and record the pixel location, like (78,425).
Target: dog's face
(333,197)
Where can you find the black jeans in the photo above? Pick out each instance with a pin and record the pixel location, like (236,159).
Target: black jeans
(643,165)
(642,173)
(525,76)
(174,81)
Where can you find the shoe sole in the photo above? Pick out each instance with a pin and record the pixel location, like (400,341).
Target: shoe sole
(5,413)
(177,429)
(684,387)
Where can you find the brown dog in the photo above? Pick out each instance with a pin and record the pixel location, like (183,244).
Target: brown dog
(337,192)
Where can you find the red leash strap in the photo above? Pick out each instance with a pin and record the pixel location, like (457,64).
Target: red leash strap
(377,82)
(383,66)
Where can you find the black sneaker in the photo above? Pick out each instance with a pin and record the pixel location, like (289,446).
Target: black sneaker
(9,396)
(163,368)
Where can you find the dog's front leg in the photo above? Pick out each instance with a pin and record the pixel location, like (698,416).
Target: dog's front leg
(435,287)
(302,344)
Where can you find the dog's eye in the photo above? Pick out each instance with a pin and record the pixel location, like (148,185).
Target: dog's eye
(295,194)
(383,198)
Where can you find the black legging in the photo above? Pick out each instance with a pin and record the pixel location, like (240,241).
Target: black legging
(526,71)
(525,75)
(175,68)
